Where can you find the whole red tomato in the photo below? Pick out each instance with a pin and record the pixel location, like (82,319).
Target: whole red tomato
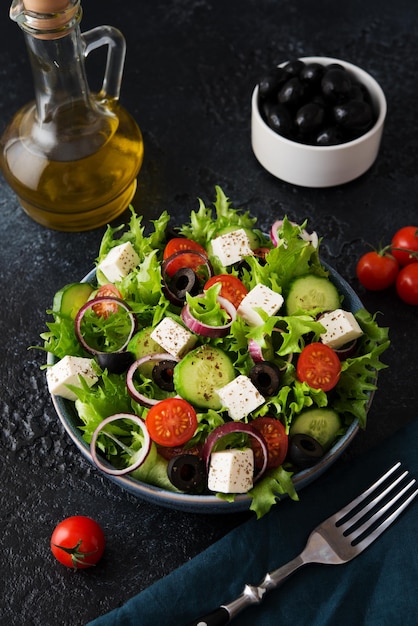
(407,284)
(78,542)
(377,270)
(405,242)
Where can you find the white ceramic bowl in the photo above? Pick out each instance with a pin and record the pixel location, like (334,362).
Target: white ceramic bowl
(319,166)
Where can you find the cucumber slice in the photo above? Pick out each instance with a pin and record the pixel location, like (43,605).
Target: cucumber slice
(142,345)
(321,424)
(312,292)
(200,373)
(69,300)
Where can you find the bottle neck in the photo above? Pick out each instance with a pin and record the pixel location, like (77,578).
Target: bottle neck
(58,73)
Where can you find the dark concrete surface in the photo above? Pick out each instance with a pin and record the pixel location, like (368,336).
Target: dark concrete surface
(190,70)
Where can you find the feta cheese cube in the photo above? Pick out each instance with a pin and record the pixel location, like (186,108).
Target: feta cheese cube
(232,247)
(67,372)
(260,297)
(119,261)
(174,338)
(341,328)
(231,471)
(240,397)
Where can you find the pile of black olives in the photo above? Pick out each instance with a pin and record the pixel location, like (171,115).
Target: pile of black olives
(316,104)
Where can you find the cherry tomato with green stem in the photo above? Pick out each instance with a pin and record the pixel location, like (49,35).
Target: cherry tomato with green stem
(377,270)
(407,284)
(405,245)
(78,542)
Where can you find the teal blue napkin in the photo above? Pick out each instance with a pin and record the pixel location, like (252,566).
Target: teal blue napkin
(378,588)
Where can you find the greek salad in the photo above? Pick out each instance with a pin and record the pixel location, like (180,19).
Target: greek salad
(212,358)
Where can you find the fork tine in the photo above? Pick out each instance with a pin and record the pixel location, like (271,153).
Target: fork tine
(362,545)
(362,512)
(342,513)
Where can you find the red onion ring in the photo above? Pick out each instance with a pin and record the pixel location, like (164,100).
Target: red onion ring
(133,392)
(139,459)
(199,328)
(233,427)
(90,304)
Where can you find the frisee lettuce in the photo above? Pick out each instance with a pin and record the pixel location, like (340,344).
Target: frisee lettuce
(279,337)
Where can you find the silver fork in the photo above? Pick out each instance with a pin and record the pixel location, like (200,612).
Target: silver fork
(337,540)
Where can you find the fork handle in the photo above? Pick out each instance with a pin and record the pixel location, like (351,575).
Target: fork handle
(250,595)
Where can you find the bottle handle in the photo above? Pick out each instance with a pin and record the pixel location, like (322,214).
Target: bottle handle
(115,41)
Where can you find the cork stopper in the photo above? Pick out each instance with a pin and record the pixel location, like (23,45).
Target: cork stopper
(46,19)
(46,6)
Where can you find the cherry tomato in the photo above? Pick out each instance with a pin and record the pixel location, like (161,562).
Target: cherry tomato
(404,242)
(276,439)
(78,542)
(319,366)
(104,309)
(377,271)
(181,252)
(407,284)
(232,288)
(171,422)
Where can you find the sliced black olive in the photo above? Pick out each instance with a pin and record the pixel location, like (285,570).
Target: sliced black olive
(184,281)
(115,362)
(187,473)
(266,377)
(309,117)
(304,450)
(162,374)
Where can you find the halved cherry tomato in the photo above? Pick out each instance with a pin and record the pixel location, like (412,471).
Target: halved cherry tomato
(78,542)
(319,366)
(180,244)
(104,309)
(405,242)
(407,284)
(181,252)
(377,271)
(276,439)
(171,422)
(232,288)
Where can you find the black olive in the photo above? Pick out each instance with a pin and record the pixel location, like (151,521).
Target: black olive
(329,136)
(293,68)
(162,374)
(336,84)
(266,377)
(309,117)
(292,92)
(184,281)
(354,115)
(187,473)
(269,84)
(280,120)
(115,362)
(311,73)
(304,450)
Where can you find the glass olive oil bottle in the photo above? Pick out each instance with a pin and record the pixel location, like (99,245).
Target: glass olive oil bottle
(71,156)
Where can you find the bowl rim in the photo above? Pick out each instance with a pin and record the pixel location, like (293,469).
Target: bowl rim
(210,503)
(377,95)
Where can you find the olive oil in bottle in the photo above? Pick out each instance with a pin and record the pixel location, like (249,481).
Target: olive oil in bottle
(71,156)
